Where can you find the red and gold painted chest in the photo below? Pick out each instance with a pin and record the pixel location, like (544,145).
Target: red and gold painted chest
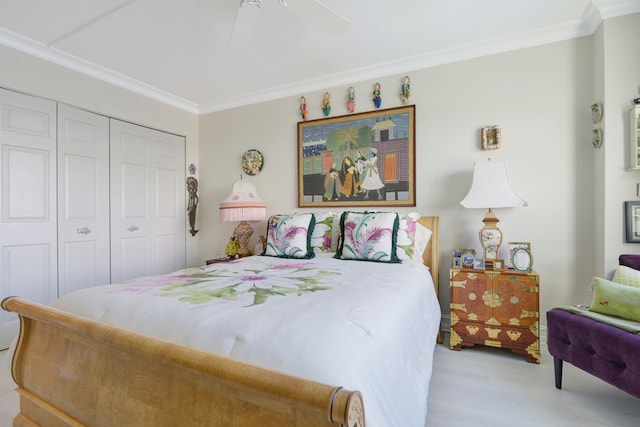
(497,309)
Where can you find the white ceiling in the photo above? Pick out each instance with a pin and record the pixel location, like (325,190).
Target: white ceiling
(177,51)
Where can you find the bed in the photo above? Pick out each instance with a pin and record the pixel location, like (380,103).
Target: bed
(193,348)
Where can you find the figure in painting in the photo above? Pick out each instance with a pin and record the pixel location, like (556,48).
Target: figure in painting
(351,100)
(371,176)
(360,162)
(192,189)
(405,93)
(326,104)
(332,184)
(377,100)
(350,178)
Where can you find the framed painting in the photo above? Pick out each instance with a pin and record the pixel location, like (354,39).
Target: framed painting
(632,221)
(364,159)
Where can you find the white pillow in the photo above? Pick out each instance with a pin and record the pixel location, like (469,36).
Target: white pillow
(413,237)
(322,239)
(423,235)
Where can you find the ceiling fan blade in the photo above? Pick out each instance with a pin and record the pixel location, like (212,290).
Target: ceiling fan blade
(245,24)
(316,12)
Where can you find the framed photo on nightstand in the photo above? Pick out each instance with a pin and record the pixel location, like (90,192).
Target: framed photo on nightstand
(512,248)
(457,256)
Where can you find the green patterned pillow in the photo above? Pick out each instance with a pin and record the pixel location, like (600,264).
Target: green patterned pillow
(323,235)
(615,299)
(289,236)
(626,276)
(368,236)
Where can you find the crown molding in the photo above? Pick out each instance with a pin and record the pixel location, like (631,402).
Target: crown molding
(595,13)
(53,55)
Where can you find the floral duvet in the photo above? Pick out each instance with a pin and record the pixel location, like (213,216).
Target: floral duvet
(365,326)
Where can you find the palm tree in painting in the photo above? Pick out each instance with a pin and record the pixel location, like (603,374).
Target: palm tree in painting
(348,138)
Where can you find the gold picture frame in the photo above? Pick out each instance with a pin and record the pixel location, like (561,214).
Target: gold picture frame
(363,159)
(491,137)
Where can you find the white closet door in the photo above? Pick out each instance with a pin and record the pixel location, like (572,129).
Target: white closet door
(147,201)
(83,199)
(28,259)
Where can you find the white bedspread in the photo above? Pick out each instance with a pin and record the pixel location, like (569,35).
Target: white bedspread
(360,325)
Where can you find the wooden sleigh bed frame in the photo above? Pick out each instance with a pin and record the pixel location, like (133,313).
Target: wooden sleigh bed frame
(73,371)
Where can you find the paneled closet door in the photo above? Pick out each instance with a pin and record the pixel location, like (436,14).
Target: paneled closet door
(28,259)
(83,199)
(148,218)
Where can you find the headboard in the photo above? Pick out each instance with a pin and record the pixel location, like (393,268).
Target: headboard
(431,255)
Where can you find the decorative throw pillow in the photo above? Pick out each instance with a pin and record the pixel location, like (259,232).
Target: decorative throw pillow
(407,235)
(615,299)
(322,238)
(423,236)
(289,236)
(368,236)
(627,276)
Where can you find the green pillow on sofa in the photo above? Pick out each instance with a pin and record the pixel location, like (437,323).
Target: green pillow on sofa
(615,299)
(626,276)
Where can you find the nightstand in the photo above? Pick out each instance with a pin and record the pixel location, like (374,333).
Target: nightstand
(495,308)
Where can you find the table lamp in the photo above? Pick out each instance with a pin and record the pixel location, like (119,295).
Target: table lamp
(243,204)
(491,189)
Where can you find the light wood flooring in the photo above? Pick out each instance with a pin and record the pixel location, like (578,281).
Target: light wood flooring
(486,387)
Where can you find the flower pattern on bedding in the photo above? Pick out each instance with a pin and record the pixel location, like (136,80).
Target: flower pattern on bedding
(244,286)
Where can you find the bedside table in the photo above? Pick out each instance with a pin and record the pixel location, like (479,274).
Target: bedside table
(495,308)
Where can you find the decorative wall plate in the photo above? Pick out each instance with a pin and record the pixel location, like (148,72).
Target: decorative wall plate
(468,259)
(252,162)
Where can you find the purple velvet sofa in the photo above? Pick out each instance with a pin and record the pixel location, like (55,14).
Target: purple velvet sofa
(608,352)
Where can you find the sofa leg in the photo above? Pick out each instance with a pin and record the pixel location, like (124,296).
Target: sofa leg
(557,369)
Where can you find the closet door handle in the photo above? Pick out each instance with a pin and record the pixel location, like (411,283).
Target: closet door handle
(83,230)
(132,228)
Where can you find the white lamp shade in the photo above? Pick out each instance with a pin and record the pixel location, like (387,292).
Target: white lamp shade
(491,188)
(243,204)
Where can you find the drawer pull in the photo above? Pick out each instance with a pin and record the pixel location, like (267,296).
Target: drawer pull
(132,228)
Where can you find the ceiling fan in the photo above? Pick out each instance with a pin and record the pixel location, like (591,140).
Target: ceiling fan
(313,11)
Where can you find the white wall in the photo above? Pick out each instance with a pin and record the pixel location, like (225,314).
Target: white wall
(534,94)
(34,76)
(621,80)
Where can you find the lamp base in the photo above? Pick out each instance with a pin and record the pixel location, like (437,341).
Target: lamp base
(490,236)
(243,232)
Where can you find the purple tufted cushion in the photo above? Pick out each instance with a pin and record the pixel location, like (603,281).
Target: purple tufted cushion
(607,352)
(631,261)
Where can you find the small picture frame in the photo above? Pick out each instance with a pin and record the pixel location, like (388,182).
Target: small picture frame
(478,264)
(491,137)
(457,255)
(522,260)
(632,221)
(498,264)
(512,246)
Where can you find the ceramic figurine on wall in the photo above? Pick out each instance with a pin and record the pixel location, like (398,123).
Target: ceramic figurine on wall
(377,100)
(303,108)
(192,189)
(326,104)
(351,100)
(405,94)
